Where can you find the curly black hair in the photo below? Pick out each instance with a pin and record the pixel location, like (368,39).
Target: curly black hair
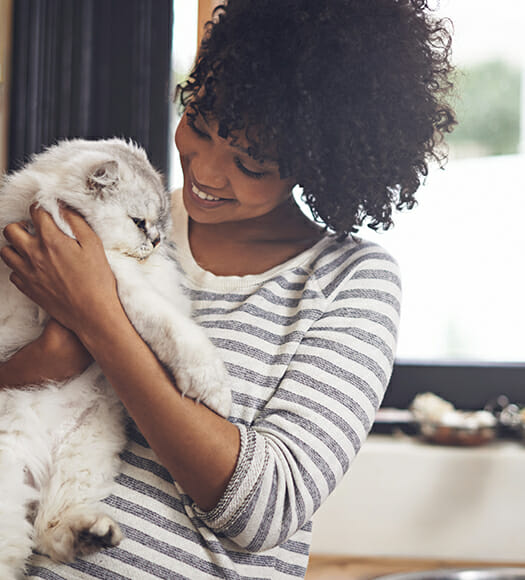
(350,95)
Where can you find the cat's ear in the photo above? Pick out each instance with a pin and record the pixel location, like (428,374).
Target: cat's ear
(103,177)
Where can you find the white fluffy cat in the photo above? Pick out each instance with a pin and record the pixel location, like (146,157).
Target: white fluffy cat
(59,444)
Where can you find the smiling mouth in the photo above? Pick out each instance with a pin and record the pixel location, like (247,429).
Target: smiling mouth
(204,196)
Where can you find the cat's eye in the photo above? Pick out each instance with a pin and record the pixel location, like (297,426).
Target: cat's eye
(139,222)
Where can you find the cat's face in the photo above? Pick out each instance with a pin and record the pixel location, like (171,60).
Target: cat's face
(127,205)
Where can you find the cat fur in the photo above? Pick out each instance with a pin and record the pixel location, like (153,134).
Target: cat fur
(60,442)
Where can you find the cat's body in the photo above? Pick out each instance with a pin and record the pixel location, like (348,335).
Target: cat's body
(59,443)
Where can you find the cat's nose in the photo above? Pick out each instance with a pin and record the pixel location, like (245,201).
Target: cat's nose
(156,241)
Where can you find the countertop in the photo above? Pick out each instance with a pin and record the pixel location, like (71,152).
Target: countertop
(356,568)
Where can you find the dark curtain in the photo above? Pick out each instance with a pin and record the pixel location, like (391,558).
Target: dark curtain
(90,69)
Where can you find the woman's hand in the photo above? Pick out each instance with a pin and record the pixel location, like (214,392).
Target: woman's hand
(65,355)
(56,355)
(70,279)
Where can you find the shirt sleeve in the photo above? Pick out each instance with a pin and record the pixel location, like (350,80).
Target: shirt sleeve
(305,438)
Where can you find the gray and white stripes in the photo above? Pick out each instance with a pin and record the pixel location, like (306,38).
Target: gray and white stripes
(310,347)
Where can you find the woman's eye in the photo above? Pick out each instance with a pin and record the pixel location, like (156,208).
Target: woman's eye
(203,135)
(248,172)
(139,222)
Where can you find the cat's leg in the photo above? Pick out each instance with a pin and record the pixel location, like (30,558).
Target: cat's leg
(17,498)
(177,340)
(71,520)
(194,361)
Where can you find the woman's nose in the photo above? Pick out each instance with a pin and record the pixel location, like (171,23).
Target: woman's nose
(208,170)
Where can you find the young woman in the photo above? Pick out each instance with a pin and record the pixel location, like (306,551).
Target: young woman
(346,99)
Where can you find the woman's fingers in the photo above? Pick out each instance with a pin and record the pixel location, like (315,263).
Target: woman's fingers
(12,258)
(79,226)
(44,224)
(18,236)
(17,281)
(67,277)
(47,228)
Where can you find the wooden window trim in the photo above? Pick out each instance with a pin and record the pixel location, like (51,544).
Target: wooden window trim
(206,8)
(6,14)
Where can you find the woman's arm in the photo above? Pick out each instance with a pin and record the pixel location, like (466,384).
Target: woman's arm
(198,447)
(56,355)
(72,281)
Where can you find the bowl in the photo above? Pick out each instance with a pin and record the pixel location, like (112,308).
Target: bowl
(456,434)
(440,422)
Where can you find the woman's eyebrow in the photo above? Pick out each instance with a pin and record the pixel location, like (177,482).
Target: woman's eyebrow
(267,161)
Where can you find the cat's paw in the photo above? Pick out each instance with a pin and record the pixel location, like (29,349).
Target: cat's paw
(103,533)
(79,534)
(207,383)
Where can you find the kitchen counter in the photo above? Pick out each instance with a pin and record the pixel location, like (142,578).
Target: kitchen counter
(340,568)
(403,498)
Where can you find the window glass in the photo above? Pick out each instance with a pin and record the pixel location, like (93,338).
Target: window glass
(185,22)
(461,249)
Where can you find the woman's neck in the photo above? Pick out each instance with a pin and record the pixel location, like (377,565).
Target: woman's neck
(252,246)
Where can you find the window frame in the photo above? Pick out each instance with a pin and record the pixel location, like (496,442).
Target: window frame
(468,385)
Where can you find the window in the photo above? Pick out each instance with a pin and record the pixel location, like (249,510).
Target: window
(184,47)
(188,25)
(461,249)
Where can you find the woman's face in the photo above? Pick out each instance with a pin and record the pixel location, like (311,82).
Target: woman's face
(222,183)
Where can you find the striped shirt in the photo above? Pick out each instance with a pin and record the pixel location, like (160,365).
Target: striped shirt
(310,346)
